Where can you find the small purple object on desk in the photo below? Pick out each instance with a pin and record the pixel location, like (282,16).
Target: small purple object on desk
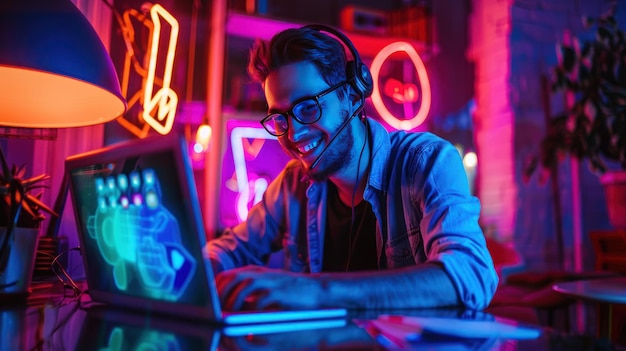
(399,332)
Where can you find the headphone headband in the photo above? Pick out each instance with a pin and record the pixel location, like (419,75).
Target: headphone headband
(357,72)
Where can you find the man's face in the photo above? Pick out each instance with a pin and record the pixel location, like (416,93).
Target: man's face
(306,142)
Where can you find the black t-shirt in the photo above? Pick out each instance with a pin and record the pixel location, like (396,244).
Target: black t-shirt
(349,246)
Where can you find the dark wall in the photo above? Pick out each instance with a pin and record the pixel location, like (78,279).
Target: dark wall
(452,73)
(535,31)
(321,11)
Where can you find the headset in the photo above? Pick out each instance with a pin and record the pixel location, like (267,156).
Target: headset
(357,73)
(358,76)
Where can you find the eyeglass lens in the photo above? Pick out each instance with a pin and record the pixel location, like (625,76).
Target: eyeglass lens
(305,112)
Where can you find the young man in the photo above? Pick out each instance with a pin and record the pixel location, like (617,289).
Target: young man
(366,218)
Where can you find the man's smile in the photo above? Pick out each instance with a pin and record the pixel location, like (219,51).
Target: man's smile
(304,149)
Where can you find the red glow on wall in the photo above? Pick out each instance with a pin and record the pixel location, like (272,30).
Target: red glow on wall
(401,92)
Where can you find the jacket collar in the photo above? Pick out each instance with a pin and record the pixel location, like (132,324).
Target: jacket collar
(380,145)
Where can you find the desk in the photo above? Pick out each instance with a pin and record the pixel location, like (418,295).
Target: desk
(55,320)
(609,290)
(605,291)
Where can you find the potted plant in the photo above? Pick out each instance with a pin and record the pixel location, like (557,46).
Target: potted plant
(593,127)
(21,214)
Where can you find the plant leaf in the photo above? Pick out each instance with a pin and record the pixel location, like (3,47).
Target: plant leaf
(28,183)
(40,204)
(5,166)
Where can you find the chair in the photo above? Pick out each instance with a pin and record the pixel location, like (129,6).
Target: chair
(528,295)
(507,302)
(609,248)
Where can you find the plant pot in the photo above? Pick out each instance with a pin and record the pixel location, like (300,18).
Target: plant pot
(16,277)
(14,332)
(614,183)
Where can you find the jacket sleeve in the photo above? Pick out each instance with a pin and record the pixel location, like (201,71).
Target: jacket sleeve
(253,240)
(450,228)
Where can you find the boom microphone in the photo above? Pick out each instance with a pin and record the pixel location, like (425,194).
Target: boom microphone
(341,128)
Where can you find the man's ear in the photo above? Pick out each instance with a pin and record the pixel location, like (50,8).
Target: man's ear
(356,101)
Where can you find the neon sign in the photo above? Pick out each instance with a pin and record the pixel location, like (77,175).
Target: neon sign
(165,97)
(246,172)
(158,101)
(401,92)
(250,188)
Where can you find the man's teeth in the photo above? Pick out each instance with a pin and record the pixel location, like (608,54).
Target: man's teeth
(308,147)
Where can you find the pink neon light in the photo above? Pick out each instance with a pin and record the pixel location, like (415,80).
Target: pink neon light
(422,76)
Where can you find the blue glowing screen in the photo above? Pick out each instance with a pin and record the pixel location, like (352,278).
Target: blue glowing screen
(135,232)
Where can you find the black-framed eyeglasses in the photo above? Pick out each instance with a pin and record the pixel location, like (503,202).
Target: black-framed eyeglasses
(306,110)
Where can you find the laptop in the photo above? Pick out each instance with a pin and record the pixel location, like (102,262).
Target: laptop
(142,236)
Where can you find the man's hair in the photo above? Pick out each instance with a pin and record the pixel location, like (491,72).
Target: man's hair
(299,45)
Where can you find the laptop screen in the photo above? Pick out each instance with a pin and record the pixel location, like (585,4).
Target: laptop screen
(140,228)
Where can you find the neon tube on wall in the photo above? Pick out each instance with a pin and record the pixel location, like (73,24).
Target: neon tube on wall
(422,76)
(165,97)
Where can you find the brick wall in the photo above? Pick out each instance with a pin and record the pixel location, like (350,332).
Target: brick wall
(490,24)
(513,45)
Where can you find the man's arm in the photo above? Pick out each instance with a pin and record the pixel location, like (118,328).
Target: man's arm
(423,286)
(252,241)
(452,235)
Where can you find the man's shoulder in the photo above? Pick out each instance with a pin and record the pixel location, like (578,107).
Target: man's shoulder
(418,140)
(293,170)
(404,139)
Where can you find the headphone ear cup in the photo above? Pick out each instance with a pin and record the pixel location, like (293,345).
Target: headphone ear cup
(360,78)
(366,79)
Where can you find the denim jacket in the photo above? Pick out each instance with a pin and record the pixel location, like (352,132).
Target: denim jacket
(420,195)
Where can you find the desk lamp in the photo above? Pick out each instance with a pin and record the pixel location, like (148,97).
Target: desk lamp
(54,70)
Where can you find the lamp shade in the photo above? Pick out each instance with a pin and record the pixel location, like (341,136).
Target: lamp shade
(55,71)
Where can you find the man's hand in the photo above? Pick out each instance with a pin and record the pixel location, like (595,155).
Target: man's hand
(258,288)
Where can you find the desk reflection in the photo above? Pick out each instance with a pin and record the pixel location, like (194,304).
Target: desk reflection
(107,329)
(114,330)
(75,325)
